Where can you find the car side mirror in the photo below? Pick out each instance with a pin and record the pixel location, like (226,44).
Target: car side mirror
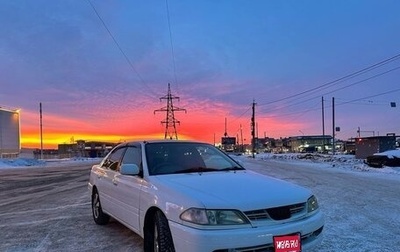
(129,169)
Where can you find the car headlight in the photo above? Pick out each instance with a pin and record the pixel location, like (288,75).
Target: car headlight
(213,217)
(312,204)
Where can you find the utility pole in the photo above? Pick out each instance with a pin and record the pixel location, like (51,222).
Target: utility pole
(241,137)
(226,128)
(323,125)
(41,131)
(1,139)
(253,131)
(170,120)
(333,126)
(214,139)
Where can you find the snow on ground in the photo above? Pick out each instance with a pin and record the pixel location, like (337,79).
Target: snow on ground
(360,212)
(343,162)
(27,160)
(15,163)
(390,153)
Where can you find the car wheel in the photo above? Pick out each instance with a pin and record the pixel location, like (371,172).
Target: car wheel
(160,239)
(99,216)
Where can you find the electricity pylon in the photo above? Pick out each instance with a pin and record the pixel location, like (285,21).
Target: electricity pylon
(170,120)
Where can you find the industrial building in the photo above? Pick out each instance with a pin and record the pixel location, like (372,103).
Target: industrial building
(367,146)
(10,144)
(83,148)
(317,143)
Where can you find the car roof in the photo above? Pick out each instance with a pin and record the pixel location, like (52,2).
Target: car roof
(159,141)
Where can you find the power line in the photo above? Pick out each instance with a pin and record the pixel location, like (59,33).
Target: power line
(241,115)
(120,49)
(329,84)
(368,102)
(172,44)
(341,79)
(332,91)
(340,88)
(302,112)
(339,104)
(364,80)
(371,96)
(297,113)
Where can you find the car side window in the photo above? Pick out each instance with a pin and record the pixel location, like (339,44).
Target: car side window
(114,159)
(132,156)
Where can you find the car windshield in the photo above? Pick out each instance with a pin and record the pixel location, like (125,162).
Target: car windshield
(186,157)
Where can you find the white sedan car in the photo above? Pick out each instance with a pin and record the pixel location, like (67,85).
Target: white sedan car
(190,196)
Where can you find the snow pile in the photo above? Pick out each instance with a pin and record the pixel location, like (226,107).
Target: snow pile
(8,163)
(313,157)
(389,153)
(21,162)
(345,162)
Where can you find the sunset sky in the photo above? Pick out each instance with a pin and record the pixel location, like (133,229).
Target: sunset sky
(100,67)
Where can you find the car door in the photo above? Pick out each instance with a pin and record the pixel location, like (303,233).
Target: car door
(106,183)
(128,188)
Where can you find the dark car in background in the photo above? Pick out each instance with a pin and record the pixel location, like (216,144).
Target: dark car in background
(387,158)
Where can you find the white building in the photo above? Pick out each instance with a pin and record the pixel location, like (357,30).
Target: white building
(10,144)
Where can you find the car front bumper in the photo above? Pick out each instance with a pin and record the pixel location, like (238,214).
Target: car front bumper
(246,239)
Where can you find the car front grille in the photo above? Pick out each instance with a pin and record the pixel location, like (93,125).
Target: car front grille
(276,213)
(305,238)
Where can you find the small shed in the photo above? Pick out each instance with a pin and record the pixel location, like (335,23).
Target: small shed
(367,146)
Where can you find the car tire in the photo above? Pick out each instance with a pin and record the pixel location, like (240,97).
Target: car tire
(159,237)
(99,216)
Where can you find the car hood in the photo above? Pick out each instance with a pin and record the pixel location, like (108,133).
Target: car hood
(244,190)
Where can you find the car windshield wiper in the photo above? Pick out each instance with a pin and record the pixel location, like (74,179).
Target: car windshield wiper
(233,168)
(197,169)
(206,169)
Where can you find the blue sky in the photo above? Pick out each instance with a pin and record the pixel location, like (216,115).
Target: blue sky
(218,56)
